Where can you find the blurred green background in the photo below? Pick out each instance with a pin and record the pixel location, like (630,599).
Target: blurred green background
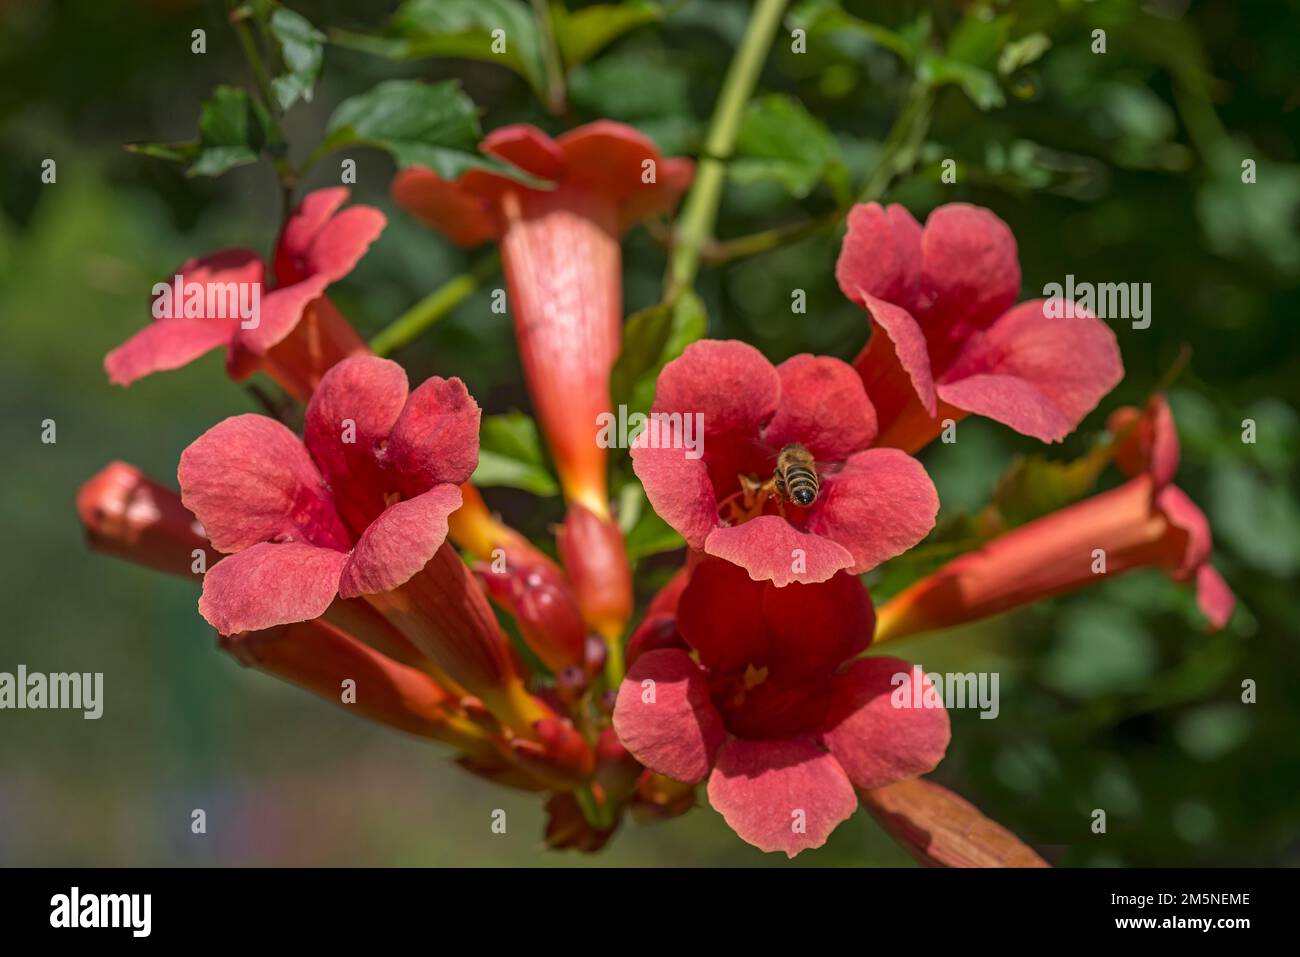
(1122,167)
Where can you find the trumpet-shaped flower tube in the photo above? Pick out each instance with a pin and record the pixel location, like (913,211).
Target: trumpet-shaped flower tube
(130,516)
(1147,522)
(294,335)
(947,340)
(872,503)
(524,581)
(560,253)
(764,702)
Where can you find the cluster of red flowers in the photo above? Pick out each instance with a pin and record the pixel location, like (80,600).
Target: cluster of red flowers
(343,551)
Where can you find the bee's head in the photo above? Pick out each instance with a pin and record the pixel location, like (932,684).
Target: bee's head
(804,496)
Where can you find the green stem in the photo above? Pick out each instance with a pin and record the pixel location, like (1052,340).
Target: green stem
(283,168)
(411,324)
(724,251)
(695,227)
(555,94)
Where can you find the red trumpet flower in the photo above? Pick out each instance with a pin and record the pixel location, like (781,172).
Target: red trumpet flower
(294,334)
(358,507)
(560,252)
(871,504)
(130,516)
(759,699)
(1145,522)
(946,341)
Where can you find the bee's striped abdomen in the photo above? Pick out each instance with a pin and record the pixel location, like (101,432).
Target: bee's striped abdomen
(801,484)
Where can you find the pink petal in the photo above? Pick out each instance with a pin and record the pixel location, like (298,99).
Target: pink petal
(720,615)
(771,549)
(817,627)
(453,208)
(895,366)
(881,256)
(293,250)
(166,344)
(879,505)
(1185,514)
(248,479)
(897,345)
(730,382)
(269,585)
(677,487)
(822,407)
(317,241)
(348,421)
(1214,597)
(876,742)
(679,731)
(970,274)
(399,542)
(780,795)
(279,313)
(525,146)
(339,246)
(1146,440)
(606,161)
(435,439)
(1038,375)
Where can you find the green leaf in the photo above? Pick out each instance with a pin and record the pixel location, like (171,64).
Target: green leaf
(978,84)
(493,31)
(581,34)
(977,40)
(510,453)
(826,16)
(781,141)
(302,49)
(424,124)
(653,337)
(233,130)
(1034,486)
(1020,53)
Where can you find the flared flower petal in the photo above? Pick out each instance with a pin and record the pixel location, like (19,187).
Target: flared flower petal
(874,740)
(664,717)
(878,506)
(881,256)
(1038,375)
(249,480)
(166,344)
(173,341)
(318,240)
(1213,597)
(677,486)
(720,615)
(733,621)
(823,407)
(945,340)
(399,542)
(269,585)
(784,795)
(1146,440)
(813,628)
(729,382)
(771,549)
(970,273)
(435,439)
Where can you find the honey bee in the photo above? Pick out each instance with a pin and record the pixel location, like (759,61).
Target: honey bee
(796,475)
